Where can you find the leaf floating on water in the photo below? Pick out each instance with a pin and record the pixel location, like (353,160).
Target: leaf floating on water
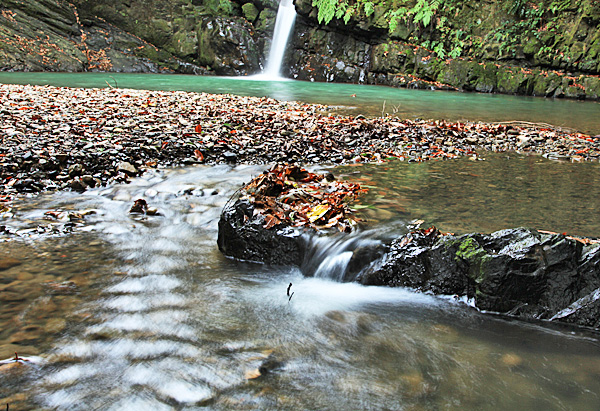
(252,374)
(318,212)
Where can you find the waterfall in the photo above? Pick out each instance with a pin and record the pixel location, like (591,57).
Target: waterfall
(286,15)
(342,258)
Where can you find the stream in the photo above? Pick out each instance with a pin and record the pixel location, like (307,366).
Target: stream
(143,312)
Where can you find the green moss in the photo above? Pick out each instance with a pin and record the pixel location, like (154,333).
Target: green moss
(250,12)
(592,87)
(470,251)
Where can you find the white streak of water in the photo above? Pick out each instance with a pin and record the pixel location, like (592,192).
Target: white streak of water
(286,15)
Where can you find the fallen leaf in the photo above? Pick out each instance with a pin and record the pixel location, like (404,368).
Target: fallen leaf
(318,212)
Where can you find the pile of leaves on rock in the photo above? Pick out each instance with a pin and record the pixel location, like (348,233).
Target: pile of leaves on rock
(292,196)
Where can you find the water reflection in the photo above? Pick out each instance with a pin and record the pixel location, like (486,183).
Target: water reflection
(504,191)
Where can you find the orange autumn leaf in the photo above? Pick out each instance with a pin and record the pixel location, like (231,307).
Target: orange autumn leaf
(198,128)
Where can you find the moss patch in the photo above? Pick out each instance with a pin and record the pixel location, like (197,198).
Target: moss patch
(470,251)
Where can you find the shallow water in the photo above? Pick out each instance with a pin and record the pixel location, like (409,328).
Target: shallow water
(368,100)
(504,190)
(134,312)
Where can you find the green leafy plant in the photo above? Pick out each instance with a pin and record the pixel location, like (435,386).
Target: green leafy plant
(326,10)
(424,10)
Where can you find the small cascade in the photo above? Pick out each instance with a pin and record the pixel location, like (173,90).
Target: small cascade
(286,15)
(342,258)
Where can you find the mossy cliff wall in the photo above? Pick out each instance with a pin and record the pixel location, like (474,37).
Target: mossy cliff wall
(185,36)
(542,48)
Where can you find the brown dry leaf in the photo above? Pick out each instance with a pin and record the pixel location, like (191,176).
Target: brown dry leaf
(271,221)
(252,374)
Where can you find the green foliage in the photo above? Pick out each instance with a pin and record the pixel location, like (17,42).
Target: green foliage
(396,16)
(369,8)
(326,10)
(219,7)
(424,10)
(558,6)
(444,27)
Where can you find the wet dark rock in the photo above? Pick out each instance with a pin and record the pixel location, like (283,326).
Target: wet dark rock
(243,237)
(78,185)
(230,156)
(75,170)
(519,272)
(140,206)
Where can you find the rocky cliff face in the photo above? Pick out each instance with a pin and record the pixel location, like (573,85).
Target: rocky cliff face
(137,36)
(484,48)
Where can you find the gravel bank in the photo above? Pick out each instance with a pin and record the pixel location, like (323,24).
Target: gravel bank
(69,138)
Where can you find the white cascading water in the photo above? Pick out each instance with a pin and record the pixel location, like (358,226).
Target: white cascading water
(286,15)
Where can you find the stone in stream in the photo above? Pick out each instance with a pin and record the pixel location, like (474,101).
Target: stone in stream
(127,168)
(243,237)
(520,272)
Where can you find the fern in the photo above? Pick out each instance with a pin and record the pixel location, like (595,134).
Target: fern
(326,10)
(424,11)
(369,8)
(396,17)
(341,9)
(348,15)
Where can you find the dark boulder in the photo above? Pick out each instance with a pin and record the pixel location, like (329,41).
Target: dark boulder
(243,237)
(520,272)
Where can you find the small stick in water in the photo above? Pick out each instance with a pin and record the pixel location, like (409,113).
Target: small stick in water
(288,290)
(290,299)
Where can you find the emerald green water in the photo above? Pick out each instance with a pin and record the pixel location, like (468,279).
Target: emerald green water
(369,100)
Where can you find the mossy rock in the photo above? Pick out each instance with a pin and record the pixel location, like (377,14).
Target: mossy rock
(266,21)
(157,32)
(546,85)
(389,57)
(515,81)
(575,91)
(250,12)
(592,87)
(470,251)
(469,75)
(185,43)
(532,46)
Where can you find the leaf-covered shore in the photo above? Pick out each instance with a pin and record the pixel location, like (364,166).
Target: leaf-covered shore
(69,138)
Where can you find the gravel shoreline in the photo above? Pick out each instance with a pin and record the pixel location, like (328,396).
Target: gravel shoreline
(70,138)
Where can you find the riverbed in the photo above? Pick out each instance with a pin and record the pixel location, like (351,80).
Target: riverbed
(143,312)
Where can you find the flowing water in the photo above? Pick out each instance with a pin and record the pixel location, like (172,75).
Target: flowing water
(143,312)
(368,100)
(286,15)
